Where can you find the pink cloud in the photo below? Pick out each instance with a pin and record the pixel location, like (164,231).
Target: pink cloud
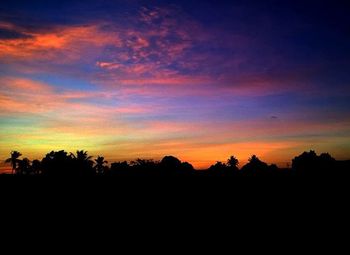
(28,96)
(108,65)
(141,58)
(141,54)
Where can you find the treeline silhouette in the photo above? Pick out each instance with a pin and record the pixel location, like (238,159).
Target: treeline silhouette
(62,163)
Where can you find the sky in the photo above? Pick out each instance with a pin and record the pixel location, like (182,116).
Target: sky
(200,80)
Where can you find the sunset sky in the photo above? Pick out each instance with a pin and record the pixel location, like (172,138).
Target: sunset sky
(200,80)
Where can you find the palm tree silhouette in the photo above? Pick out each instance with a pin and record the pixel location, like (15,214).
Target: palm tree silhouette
(13,159)
(100,161)
(83,165)
(233,162)
(82,156)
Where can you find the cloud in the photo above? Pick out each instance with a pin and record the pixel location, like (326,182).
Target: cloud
(23,95)
(19,95)
(155,45)
(70,41)
(6,34)
(108,65)
(132,128)
(152,48)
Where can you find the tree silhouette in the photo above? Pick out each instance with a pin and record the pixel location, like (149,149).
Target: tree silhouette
(82,156)
(13,160)
(119,168)
(233,162)
(100,167)
(57,163)
(309,163)
(144,164)
(62,164)
(36,167)
(255,167)
(187,167)
(83,165)
(219,169)
(171,165)
(222,169)
(24,167)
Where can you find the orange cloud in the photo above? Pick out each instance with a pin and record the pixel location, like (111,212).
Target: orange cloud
(70,40)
